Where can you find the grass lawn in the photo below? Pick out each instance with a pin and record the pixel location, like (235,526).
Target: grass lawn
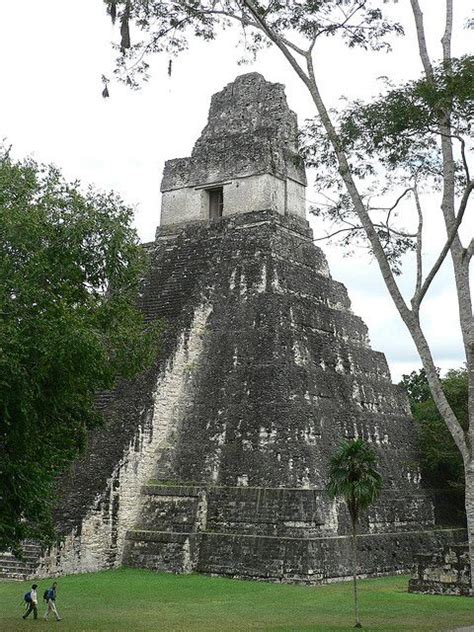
(129,599)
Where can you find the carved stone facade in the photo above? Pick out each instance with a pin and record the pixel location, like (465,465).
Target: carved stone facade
(216,458)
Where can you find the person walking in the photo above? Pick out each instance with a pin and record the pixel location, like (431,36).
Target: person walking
(31,599)
(50,597)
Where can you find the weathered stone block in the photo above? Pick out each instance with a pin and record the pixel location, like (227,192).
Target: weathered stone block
(444,571)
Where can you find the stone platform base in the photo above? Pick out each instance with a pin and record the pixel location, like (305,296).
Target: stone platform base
(287,560)
(276,535)
(443,572)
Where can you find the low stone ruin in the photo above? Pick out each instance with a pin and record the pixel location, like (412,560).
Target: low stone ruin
(444,572)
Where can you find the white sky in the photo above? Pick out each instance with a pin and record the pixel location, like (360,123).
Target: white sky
(53,53)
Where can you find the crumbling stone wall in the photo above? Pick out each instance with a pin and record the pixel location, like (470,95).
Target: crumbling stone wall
(249,148)
(446,571)
(99,497)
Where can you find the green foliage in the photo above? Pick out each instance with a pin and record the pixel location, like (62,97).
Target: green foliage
(135,599)
(392,144)
(70,267)
(399,130)
(354,477)
(417,387)
(166,26)
(440,459)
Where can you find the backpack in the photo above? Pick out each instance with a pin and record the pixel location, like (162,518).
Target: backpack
(46,594)
(27,597)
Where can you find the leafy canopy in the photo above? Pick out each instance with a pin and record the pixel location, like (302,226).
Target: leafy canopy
(392,144)
(70,268)
(441,461)
(167,26)
(354,477)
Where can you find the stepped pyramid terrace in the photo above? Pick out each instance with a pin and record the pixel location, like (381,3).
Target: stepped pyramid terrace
(215,460)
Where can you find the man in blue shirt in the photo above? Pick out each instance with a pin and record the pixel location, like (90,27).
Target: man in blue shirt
(51,601)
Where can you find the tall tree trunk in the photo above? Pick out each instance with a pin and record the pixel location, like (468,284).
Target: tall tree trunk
(469,476)
(354,572)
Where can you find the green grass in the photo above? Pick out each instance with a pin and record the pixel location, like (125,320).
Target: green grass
(135,600)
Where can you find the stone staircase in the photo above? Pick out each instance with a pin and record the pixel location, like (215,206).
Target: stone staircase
(13,568)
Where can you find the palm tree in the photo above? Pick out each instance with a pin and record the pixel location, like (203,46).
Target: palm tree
(353,476)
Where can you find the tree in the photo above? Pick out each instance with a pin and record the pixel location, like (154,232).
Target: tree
(70,267)
(417,388)
(353,477)
(442,100)
(441,463)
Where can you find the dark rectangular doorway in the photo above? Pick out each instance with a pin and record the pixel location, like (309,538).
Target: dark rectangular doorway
(216,202)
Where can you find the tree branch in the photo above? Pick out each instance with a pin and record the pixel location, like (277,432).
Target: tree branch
(357,228)
(394,205)
(148,47)
(463,156)
(451,236)
(420,33)
(389,229)
(340,25)
(245,21)
(419,242)
(346,175)
(397,201)
(337,232)
(469,250)
(447,35)
(277,40)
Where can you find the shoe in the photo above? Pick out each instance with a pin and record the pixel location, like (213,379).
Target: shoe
(60,619)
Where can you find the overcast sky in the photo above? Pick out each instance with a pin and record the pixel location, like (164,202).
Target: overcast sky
(53,54)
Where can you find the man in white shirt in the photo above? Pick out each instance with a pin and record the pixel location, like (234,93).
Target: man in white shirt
(33,603)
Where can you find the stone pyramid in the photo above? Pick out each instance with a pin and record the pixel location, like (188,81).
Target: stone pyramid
(216,459)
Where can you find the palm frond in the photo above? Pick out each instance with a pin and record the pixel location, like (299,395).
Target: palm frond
(354,477)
